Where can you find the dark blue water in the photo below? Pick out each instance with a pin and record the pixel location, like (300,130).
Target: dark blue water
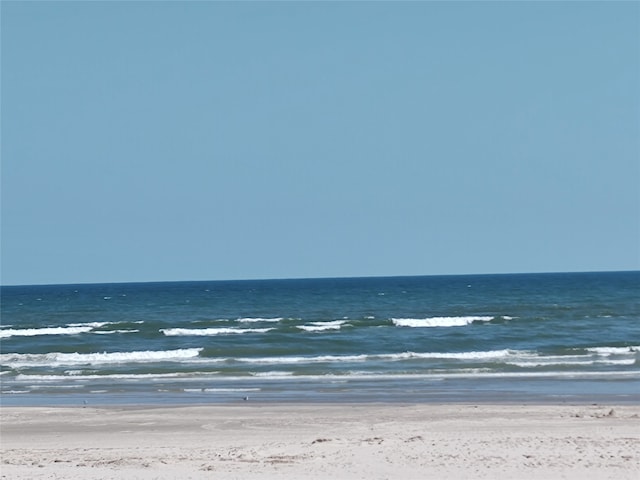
(516,337)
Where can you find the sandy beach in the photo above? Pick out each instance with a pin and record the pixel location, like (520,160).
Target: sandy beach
(372,441)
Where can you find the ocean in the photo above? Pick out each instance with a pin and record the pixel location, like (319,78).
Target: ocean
(558,337)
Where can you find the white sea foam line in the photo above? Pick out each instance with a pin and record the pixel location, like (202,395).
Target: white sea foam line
(614,350)
(493,354)
(533,357)
(36,387)
(40,386)
(502,355)
(173,332)
(474,375)
(435,376)
(439,321)
(321,326)
(32,332)
(335,323)
(54,359)
(102,324)
(272,374)
(225,390)
(192,355)
(482,355)
(109,332)
(311,328)
(292,359)
(219,390)
(176,376)
(385,356)
(572,374)
(258,319)
(91,324)
(533,364)
(69,329)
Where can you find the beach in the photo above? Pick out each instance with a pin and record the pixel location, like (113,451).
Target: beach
(527,376)
(318,441)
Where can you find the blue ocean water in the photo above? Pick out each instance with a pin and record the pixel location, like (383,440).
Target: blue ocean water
(540,337)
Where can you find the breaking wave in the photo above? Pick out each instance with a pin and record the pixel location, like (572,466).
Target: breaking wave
(439,321)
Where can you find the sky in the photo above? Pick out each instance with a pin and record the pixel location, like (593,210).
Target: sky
(165,141)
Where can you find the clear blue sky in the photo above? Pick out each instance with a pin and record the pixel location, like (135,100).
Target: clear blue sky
(209,140)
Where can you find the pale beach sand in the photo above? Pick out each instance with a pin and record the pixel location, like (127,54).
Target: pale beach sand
(310,441)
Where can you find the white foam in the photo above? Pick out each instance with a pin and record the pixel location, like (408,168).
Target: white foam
(439,321)
(275,375)
(322,326)
(258,319)
(36,387)
(311,328)
(32,332)
(69,329)
(478,374)
(501,356)
(173,332)
(614,350)
(224,390)
(585,362)
(16,360)
(90,324)
(272,374)
(482,355)
(465,374)
(511,357)
(302,359)
(219,390)
(114,376)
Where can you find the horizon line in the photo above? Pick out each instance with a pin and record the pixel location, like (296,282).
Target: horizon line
(328,277)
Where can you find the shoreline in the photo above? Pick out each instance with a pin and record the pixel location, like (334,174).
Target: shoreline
(596,388)
(319,440)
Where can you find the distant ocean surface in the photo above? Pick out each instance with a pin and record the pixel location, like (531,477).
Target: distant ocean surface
(536,337)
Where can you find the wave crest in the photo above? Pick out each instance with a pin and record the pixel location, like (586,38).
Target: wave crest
(16,360)
(439,321)
(205,332)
